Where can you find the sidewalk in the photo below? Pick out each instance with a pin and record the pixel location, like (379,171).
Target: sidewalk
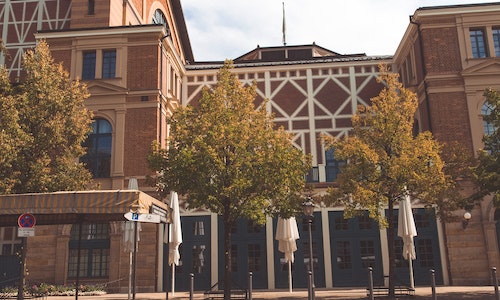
(421,293)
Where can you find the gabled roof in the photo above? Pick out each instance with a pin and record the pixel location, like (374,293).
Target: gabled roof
(286,53)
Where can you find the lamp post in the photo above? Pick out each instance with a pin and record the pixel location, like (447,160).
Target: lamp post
(308,209)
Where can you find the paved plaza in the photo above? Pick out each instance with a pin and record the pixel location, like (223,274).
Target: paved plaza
(421,293)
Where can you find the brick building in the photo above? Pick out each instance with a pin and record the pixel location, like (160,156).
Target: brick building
(449,55)
(136,58)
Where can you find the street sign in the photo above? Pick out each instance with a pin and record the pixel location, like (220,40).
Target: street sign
(25,231)
(156,210)
(147,218)
(26,221)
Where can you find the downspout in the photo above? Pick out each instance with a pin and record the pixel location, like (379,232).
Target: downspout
(124,12)
(424,70)
(160,131)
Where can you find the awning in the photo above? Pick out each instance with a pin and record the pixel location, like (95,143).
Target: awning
(77,206)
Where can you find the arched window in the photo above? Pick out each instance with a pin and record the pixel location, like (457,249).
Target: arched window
(488,128)
(94,250)
(98,144)
(159,18)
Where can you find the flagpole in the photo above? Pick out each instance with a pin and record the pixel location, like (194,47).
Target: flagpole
(283,28)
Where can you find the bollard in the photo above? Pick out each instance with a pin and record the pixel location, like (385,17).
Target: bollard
(191,286)
(250,285)
(495,282)
(370,282)
(433,284)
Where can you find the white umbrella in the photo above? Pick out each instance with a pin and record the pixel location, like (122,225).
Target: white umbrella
(407,231)
(286,234)
(175,236)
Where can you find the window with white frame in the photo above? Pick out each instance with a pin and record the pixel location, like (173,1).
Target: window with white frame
(478,43)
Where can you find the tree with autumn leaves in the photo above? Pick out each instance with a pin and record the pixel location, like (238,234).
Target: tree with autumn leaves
(43,123)
(225,155)
(385,160)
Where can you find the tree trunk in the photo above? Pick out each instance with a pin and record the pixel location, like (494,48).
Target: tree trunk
(227,257)
(390,246)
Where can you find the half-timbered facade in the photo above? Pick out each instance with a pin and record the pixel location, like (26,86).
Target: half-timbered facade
(136,60)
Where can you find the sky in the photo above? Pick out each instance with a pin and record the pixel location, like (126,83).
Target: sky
(220,29)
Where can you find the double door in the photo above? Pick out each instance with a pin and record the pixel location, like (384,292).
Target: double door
(355,246)
(195,254)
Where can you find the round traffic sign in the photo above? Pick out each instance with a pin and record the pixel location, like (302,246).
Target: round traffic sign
(26,221)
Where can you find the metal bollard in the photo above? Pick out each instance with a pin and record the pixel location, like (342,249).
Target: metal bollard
(433,284)
(191,286)
(495,282)
(250,275)
(370,283)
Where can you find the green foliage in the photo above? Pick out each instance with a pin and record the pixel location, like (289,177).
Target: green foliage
(486,172)
(225,155)
(45,118)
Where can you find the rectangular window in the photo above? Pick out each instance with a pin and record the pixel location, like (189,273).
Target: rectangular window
(10,243)
(344,255)
(313,175)
(108,63)
(91,7)
(496,40)
(254,257)
(333,165)
(478,43)
(94,251)
(88,68)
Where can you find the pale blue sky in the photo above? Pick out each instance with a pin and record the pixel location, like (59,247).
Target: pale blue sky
(220,29)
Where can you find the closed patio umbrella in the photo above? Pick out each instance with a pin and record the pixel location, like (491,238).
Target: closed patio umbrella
(175,236)
(286,234)
(407,231)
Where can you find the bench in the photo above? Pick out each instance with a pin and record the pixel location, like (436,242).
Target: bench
(400,289)
(214,293)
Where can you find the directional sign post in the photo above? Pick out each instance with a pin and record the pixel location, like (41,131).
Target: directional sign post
(147,218)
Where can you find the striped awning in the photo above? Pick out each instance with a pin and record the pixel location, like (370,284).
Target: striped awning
(76,206)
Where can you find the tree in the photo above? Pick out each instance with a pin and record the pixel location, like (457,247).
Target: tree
(486,172)
(12,138)
(385,160)
(226,156)
(45,118)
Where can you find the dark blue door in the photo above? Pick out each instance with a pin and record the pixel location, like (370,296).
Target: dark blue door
(426,249)
(195,255)
(248,254)
(355,246)
(301,265)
